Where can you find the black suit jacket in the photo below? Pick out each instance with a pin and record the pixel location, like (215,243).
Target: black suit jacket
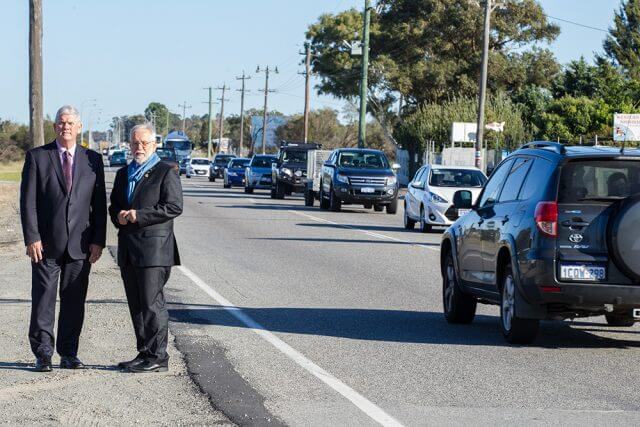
(157,199)
(60,220)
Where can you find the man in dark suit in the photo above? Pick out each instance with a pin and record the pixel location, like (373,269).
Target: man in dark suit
(63,208)
(146,197)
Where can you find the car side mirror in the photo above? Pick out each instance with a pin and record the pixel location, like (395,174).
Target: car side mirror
(462,199)
(396,167)
(328,163)
(418,185)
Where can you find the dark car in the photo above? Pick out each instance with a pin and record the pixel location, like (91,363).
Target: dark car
(258,173)
(234,173)
(218,165)
(358,176)
(290,172)
(553,235)
(183,165)
(168,156)
(118,158)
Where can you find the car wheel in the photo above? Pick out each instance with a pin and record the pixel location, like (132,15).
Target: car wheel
(273,193)
(324,203)
(424,226)
(619,320)
(378,208)
(188,176)
(211,179)
(458,306)
(392,207)
(226,185)
(368,205)
(279,191)
(308,198)
(335,204)
(248,190)
(514,329)
(409,224)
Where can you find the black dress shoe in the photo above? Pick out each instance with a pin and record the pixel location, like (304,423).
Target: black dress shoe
(150,366)
(43,364)
(134,362)
(71,362)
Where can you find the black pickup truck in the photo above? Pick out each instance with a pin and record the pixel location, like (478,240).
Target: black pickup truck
(289,173)
(359,176)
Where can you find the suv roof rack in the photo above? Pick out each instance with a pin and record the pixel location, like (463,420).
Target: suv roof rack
(556,146)
(300,144)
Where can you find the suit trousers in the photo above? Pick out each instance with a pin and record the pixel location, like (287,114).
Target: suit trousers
(144,287)
(73,275)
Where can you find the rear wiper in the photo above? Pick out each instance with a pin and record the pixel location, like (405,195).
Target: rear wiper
(602,198)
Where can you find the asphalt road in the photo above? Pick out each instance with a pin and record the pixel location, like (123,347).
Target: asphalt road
(336,319)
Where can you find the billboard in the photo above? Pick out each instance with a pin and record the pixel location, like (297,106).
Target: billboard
(626,127)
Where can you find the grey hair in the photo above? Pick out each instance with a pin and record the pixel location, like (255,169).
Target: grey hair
(144,126)
(68,110)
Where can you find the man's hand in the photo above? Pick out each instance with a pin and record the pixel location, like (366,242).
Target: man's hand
(122,217)
(95,253)
(131,216)
(34,250)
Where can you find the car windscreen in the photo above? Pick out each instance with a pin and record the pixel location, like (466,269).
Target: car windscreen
(199,161)
(294,156)
(222,160)
(456,178)
(117,154)
(262,162)
(240,163)
(178,144)
(354,159)
(166,154)
(599,180)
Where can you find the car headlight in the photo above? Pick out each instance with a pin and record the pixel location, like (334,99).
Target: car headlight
(287,171)
(436,199)
(229,173)
(298,173)
(342,178)
(215,168)
(392,180)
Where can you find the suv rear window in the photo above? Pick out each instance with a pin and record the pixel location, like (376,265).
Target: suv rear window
(598,180)
(456,178)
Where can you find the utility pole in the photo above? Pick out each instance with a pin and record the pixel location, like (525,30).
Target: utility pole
(221,118)
(307,81)
(184,112)
(243,78)
(483,83)
(36,115)
(266,95)
(362,130)
(209,147)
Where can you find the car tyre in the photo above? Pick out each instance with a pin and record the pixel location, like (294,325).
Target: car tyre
(425,227)
(392,207)
(619,320)
(378,208)
(515,329)
(226,185)
(308,198)
(458,306)
(273,193)
(368,205)
(324,203)
(248,190)
(335,204)
(279,191)
(409,224)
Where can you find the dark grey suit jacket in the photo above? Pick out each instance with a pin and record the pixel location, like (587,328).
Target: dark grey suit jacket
(60,220)
(157,199)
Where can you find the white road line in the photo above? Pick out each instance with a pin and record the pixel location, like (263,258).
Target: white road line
(368,233)
(369,408)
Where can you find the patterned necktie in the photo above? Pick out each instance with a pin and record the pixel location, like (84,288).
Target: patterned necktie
(66,169)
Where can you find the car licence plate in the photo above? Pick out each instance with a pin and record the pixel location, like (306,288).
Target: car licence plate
(590,273)
(368,190)
(463,212)
(200,172)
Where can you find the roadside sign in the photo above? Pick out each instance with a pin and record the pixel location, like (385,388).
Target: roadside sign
(626,127)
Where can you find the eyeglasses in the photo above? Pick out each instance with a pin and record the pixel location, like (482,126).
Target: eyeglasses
(62,124)
(144,144)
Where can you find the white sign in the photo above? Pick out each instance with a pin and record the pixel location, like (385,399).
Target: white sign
(626,127)
(463,132)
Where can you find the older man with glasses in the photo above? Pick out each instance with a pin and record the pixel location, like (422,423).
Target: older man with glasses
(146,197)
(63,210)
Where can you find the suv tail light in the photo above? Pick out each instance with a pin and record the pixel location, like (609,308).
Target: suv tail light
(547,218)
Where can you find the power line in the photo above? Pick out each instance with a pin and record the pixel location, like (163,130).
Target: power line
(577,24)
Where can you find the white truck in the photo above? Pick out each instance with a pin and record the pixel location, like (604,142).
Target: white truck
(315,162)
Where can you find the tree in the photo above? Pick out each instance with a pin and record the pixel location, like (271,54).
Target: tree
(623,42)
(157,113)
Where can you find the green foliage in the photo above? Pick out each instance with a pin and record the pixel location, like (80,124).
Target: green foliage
(623,42)
(157,113)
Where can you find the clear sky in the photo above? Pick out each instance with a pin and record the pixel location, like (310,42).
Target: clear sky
(127,53)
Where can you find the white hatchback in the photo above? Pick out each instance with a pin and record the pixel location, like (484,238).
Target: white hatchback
(198,166)
(429,198)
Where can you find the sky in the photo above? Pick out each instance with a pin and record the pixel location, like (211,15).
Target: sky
(128,53)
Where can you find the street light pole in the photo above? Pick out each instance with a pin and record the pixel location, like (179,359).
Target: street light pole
(483,85)
(363,79)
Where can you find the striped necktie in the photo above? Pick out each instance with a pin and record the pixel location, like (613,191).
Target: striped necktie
(66,169)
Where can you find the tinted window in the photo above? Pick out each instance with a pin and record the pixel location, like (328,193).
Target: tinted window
(294,156)
(536,179)
(222,160)
(239,163)
(599,179)
(492,189)
(456,178)
(418,175)
(199,161)
(360,159)
(515,179)
(262,162)
(166,154)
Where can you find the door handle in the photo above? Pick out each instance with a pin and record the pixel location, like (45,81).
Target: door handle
(480,221)
(505,219)
(491,223)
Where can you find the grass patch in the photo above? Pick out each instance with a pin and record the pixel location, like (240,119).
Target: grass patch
(10,171)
